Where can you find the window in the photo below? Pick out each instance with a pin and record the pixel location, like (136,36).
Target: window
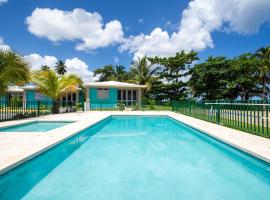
(124,94)
(102,93)
(39,96)
(129,95)
(119,93)
(134,95)
(74,97)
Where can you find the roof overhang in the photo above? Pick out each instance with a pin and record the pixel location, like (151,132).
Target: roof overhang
(114,84)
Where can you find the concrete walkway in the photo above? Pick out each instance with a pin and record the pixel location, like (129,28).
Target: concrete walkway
(18,147)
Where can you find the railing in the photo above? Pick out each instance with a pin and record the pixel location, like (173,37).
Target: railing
(144,106)
(10,110)
(249,116)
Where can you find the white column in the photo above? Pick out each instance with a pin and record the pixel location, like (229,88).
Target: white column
(139,96)
(87,102)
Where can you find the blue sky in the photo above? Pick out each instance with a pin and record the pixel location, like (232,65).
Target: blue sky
(47,30)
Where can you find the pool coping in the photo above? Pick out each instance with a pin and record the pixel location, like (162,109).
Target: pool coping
(31,122)
(254,145)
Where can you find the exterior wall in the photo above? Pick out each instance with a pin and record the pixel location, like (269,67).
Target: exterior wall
(95,102)
(31,100)
(3,98)
(30,95)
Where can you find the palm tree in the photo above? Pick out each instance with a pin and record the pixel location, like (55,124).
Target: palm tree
(45,68)
(13,70)
(105,73)
(144,72)
(53,86)
(119,73)
(263,55)
(60,67)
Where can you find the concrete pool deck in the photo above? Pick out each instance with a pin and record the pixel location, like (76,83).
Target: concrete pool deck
(18,147)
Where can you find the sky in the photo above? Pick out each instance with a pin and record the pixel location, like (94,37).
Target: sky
(87,34)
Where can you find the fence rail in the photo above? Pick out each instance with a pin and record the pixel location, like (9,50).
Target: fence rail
(249,116)
(143,106)
(10,110)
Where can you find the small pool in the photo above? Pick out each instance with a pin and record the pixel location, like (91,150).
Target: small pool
(139,157)
(36,126)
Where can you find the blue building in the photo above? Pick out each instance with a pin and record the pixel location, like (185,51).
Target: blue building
(109,93)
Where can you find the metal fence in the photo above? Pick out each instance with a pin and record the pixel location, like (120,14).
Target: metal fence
(143,106)
(249,116)
(11,110)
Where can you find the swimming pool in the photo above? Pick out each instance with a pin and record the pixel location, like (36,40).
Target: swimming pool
(36,126)
(139,157)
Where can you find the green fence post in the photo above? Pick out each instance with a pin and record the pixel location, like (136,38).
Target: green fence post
(218,113)
(38,103)
(189,102)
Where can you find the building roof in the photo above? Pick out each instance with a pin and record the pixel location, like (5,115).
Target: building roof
(29,87)
(15,89)
(114,84)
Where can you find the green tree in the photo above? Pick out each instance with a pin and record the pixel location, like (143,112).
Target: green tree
(144,72)
(54,86)
(106,73)
(60,67)
(45,68)
(263,55)
(242,76)
(13,70)
(119,73)
(172,73)
(208,79)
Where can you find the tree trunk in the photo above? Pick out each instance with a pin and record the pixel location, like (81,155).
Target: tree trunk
(264,86)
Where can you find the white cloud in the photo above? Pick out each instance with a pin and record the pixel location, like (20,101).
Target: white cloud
(199,20)
(3,1)
(36,61)
(78,25)
(3,46)
(76,66)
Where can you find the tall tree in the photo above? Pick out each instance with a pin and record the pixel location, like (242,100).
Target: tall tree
(207,78)
(119,73)
(45,68)
(54,86)
(144,72)
(263,55)
(13,70)
(60,67)
(106,73)
(173,71)
(242,77)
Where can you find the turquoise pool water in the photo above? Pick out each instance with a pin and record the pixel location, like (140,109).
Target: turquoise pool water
(34,127)
(139,158)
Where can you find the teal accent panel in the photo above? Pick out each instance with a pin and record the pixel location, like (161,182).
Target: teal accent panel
(30,95)
(30,99)
(3,98)
(96,103)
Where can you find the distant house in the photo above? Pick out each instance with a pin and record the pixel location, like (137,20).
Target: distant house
(13,92)
(109,93)
(30,93)
(97,95)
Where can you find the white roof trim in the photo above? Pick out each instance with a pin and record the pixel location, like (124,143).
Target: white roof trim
(15,89)
(29,87)
(114,84)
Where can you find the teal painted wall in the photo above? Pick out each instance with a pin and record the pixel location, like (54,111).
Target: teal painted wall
(96,103)
(32,102)
(3,98)
(30,95)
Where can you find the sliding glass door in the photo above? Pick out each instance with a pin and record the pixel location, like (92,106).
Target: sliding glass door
(127,96)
